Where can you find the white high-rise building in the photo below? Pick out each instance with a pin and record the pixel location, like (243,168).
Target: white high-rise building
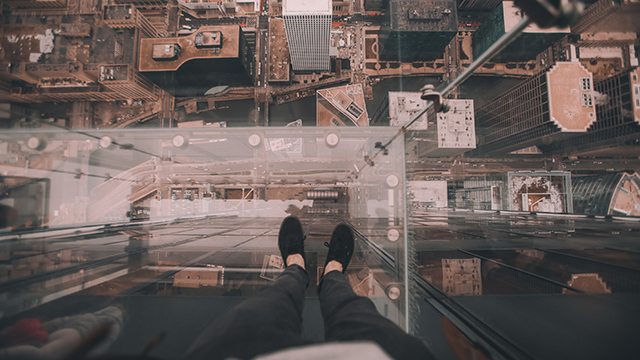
(308,26)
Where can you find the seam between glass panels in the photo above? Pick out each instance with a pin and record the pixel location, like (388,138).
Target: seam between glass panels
(406,235)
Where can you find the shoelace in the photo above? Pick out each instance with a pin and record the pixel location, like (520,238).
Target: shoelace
(339,246)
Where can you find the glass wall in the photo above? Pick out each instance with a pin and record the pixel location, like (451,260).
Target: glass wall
(149,151)
(104,217)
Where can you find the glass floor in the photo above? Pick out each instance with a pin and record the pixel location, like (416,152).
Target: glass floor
(178,227)
(485,154)
(193,216)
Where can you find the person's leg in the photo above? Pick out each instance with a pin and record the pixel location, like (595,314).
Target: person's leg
(348,316)
(269,321)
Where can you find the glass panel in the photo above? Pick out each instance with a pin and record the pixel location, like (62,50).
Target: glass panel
(150,150)
(196,212)
(483,267)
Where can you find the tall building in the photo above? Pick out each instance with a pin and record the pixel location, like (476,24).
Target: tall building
(617,128)
(219,8)
(67,63)
(432,135)
(308,26)
(609,16)
(417,30)
(607,194)
(403,108)
(549,107)
(606,54)
(128,17)
(606,37)
(190,65)
(399,108)
(451,133)
(125,79)
(527,46)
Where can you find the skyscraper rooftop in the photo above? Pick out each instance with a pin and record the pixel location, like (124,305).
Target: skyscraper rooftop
(308,26)
(417,30)
(306,7)
(551,106)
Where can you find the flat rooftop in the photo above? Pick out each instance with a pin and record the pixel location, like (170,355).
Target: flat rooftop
(342,106)
(118,12)
(306,7)
(404,106)
(423,15)
(571,103)
(188,50)
(456,128)
(48,44)
(279,62)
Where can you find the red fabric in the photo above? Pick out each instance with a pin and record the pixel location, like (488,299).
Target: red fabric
(27,330)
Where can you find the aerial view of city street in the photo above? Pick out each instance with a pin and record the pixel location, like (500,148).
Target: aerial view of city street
(485,155)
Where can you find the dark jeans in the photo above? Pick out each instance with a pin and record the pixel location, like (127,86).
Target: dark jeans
(272,320)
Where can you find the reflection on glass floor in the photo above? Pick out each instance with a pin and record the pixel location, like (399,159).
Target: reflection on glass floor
(159,220)
(529,286)
(177,229)
(521,254)
(514,276)
(224,256)
(228,258)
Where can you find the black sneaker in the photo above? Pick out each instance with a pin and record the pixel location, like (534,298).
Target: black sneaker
(291,238)
(341,246)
